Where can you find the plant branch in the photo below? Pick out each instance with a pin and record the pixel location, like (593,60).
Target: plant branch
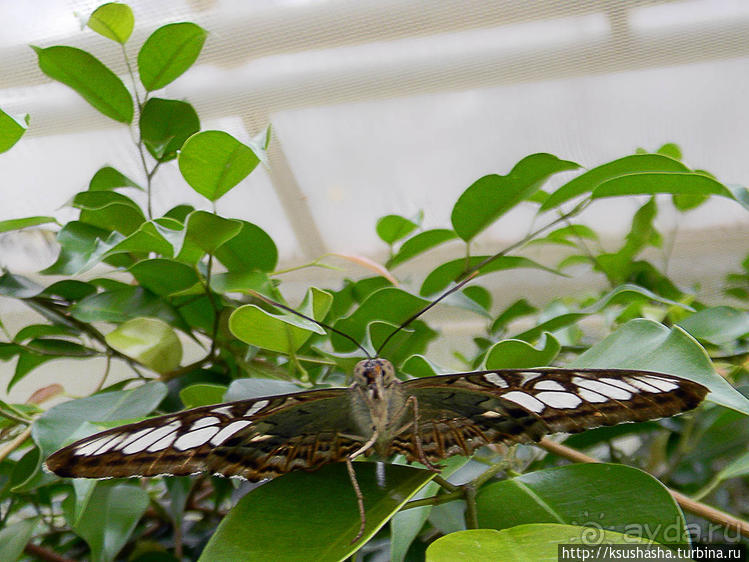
(45,553)
(687,503)
(434,500)
(17,442)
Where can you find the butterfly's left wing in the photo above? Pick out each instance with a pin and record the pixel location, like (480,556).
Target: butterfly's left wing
(460,413)
(253,439)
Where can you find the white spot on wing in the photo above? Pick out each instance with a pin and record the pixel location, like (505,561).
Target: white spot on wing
(90,447)
(149,439)
(256,407)
(261,437)
(548,385)
(560,399)
(525,377)
(621,384)
(202,422)
(660,384)
(525,400)
(225,410)
(496,380)
(491,414)
(133,436)
(590,396)
(195,438)
(642,385)
(602,388)
(163,443)
(111,444)
(228,431)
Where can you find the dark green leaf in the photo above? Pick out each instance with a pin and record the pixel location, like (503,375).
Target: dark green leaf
(164,276)
(213,162)
(441,277)
(419,366)
(718,325)
(479,295)
(77,242)
(119,305)
(392,228)
(419,243)
(39,331)
(165,125)
(587,182)
(83,72)
(493,195)
(273,521)
(10,131)
(168,52)
(661,182)
(251,249)
(202,395)
(113,20)
(108,178)
(14,537)
(109,210)
(209,231)
(517,354)
(517,309)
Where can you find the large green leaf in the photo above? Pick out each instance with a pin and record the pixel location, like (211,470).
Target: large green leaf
(164,276)
(83,72)
(113,20)
(208,231)
(587,182)
(312,516)
(10,130)
(717,325)
(285,332)
(419,243)
(252,248)
(123,303)
(651,183)
(150,341)
(603,496)
(168,52)
(491,196)
(165,125)
(112,511)
(658,348)
(525,543)
(213,162)
(109,210)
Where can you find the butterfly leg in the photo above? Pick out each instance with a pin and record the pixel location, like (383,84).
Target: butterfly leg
(414,403)
(355,483)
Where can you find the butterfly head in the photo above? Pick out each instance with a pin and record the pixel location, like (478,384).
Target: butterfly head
(374,375)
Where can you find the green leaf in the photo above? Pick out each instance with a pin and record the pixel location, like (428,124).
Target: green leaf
(600,495)
(392,228)
(202,395)
(491,196)
(420,243)
(111,514)
(113,20)
(441,277)
(150,341)
(244,389)
(14,537)
(665,350)
(168,52)
(11,130)
(634,164)
(524,543)
(83,72)
(419,366)
(109,211)
(273,522)
(670,149)
(251,249)
(285,332)
(164,276)
(661,182)
(122,304)
(213,162)
(241,282)
(208,231)
(517,354)
(18,224)
(107,178)
(717,325)
(516,310)
(479,295)
(737,467)
(18,287)
(165,125)
(77,241)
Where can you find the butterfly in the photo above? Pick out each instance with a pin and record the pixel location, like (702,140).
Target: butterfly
(426,419)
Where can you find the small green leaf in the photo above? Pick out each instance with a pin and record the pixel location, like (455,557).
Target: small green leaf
(107,178)
(202,395)
(517,354)
(113,20)
(168,52)
(11,130)
(163,276)
(165,125)
(491,196)
(241,282)
(273,522)
(634,164)
(213,162)
(516,310)
(18,224)
(149,341)
(420,366)
(392,228)
(420,243)
(718,325)
(209,231)
(109,210)
(441,277)
(83,72)
(251,249)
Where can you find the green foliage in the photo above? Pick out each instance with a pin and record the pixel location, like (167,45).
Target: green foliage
(193,277)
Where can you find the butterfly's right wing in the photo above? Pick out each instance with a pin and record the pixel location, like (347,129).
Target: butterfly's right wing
(253,439)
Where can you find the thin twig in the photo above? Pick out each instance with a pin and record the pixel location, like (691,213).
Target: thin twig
(698,508)
(13,445)
(45,553)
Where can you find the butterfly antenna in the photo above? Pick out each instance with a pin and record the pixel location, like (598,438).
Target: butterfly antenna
(474,271)
(321,324)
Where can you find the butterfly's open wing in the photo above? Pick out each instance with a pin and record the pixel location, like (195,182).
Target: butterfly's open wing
(460,413)
(253,439)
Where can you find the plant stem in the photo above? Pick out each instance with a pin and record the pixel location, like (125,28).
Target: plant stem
(435,500)
(17,442)
(472,519)
(691,505)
